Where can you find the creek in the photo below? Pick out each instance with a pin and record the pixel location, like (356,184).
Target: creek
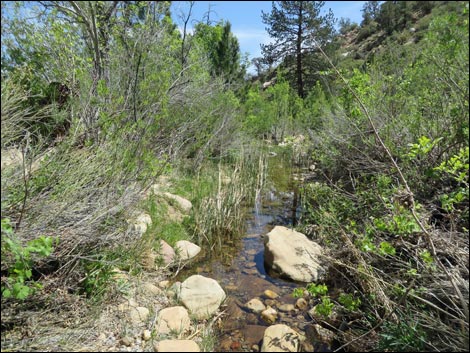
(240,268)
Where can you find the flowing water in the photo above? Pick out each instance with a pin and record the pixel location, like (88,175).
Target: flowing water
(241,270)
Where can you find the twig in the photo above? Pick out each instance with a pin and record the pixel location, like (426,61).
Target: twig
(25,180)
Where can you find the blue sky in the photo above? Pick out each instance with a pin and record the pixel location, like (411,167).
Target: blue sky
(245,17)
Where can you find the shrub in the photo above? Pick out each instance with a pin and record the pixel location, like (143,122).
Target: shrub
(18,284)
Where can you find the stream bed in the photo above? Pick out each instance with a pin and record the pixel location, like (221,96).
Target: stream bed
(240,270)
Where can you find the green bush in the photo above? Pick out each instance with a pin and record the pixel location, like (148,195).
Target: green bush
(367,31)
(18,284)
(349,301)
(402,337)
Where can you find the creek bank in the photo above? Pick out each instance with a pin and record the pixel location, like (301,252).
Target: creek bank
(259,312)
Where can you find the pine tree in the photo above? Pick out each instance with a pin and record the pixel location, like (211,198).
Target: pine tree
(297,28)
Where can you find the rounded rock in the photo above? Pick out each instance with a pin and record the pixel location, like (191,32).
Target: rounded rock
(202,296)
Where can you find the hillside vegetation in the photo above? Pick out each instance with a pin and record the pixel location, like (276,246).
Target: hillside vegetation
(101,101)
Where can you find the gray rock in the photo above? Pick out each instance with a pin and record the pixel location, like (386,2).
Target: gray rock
(269,315)
(150,290)
(126,341)
(280,338)
(138,315)
(255,305)
(166,252)
(173,320)
(186,249)
(174,292)
(182,203)
(286,307)
(293,255)
(140,224)
(202,296)
(270,294)
(146,335)
(164,284)
(301,303)
(322,334)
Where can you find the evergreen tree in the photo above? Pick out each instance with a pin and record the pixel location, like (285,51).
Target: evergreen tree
(222,49)
(370,12)
(298,28)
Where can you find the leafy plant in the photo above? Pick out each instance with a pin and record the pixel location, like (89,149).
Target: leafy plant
(386,248)
(401,337)
(98,277)
(298,292)
(325,308)
(426,256)
(457,168)
(349,301)
(16,284)
(423,147)
(317,289)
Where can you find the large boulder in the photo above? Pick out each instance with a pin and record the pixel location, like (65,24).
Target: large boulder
(280,338)
(292,255)
(202,296)
(151,260)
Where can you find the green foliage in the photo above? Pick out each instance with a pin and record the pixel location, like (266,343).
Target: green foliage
(293,25)
(311,110)
(400,223)
(222,49)
(370,12)
(457,168)
(317,289)
(298,292)
(360,83)
(366,31)
(345,25)
(415,90)
(402,337)
(349,301)
(18,284)
(325,207)
(270,113)
(325,308)
(219,216)
(98,277)
(422,148)
(386,248)
(426,257)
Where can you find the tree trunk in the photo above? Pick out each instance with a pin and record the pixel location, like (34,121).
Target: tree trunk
(300,83)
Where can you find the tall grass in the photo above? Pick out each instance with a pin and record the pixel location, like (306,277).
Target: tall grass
(231,188)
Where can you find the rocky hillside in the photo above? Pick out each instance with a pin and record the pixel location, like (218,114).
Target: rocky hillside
(360,43)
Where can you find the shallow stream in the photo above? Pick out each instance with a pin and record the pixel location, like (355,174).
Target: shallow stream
(241,271)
